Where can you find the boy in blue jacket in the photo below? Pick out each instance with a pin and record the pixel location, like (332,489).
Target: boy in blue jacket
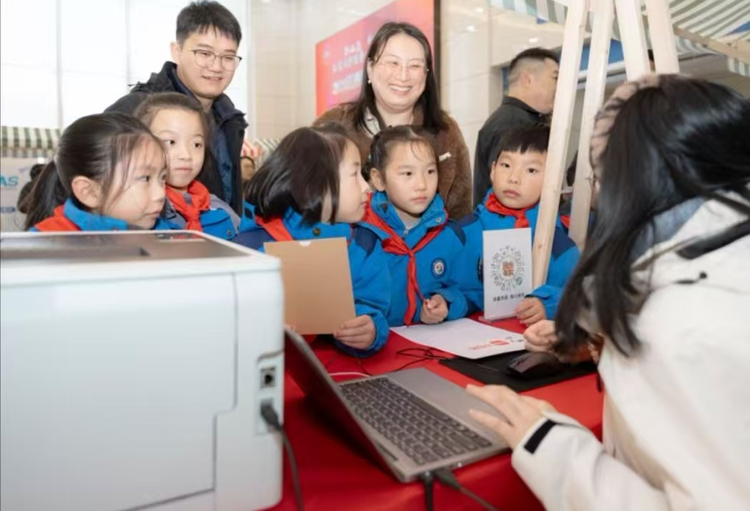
(513,203)
(422,245)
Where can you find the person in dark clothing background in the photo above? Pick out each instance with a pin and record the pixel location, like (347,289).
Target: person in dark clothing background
(532,83)
(205,59)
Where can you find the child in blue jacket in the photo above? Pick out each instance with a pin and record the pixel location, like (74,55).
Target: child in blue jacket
(311,187)
(180,123)
(513,202)
(422,245)
(108,174)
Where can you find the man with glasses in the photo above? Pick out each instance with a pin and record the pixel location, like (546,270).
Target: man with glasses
(205,59)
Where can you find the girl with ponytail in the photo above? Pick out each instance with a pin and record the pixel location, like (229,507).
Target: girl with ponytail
(109,173)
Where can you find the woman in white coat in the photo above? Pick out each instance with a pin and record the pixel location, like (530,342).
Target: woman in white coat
(664,281)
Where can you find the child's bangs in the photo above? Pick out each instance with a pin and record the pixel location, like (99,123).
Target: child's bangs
(422,147)
(533,138)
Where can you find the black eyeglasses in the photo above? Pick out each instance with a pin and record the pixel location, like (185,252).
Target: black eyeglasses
(205,58)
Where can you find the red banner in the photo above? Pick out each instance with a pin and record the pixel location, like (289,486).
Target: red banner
(340,59)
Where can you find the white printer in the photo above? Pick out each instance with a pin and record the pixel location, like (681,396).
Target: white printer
(134,365)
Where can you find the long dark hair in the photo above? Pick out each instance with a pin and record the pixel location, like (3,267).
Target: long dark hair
(155,103)
(383,142)
(301,172)
(428,102)
(681,139)
(92,147)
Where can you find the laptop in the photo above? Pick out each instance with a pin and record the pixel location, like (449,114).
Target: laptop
(410,422)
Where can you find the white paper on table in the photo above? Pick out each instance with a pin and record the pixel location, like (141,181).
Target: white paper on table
(507,271)
(463,337)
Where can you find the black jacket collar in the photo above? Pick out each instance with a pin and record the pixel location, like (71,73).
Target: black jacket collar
(167,80)
(508,100)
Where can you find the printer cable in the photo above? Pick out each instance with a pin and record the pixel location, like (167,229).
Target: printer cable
(272,419)
(429,490)
(445,476)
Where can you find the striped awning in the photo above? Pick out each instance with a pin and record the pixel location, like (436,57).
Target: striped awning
(739,67)
(25,142)
(725,21)
(267,145)
(713,19)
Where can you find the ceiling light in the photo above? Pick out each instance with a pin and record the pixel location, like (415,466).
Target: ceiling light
(471,28)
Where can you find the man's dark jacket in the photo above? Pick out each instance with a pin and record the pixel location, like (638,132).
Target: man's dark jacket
(225,117)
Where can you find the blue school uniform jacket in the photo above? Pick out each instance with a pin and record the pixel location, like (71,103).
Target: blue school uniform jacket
(219,220)
(564,256)
(367,264)
(70,217)
(438,266)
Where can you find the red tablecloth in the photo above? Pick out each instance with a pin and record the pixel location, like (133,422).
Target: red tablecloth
(335,475)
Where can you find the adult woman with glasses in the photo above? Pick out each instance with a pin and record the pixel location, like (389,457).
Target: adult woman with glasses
(399,87)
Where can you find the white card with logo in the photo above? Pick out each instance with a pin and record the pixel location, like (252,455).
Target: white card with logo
(507,271)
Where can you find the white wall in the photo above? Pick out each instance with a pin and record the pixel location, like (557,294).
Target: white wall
(274,63)
(62,59)
(476,40)
(28,63)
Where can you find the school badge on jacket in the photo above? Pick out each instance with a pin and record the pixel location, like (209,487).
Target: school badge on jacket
(438,267)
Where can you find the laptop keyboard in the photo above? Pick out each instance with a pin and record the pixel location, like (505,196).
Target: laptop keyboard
(419,429)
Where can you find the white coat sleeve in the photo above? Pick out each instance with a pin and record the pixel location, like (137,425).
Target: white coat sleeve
(569,470)
(683,408)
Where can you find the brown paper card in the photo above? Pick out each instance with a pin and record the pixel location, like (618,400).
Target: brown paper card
(318,295)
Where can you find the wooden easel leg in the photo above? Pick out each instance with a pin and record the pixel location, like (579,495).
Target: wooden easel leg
(595,83)
(633,36)
(662,36)
(570,61)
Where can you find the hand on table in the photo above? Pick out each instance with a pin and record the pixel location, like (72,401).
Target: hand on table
(517,414)
(358,333)
(530,311)
(540,336)
(434,310)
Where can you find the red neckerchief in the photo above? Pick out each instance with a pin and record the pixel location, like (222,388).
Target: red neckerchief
(495,206)
(395,244)
(565,220)
(200,201)
(275,228)
(57,222)
(278,231)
